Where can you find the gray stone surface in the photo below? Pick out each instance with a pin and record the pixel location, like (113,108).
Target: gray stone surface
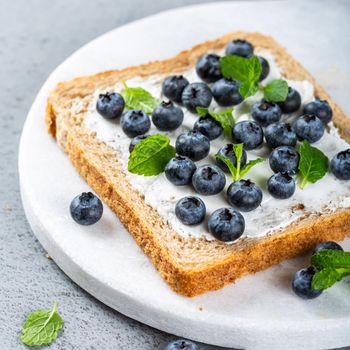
(35,36)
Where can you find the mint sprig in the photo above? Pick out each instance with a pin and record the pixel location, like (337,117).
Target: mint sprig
(224,118)
(151,155)
(41,327)
(139,98)
(237,171)
(313,164)
(276,91)
(332,266)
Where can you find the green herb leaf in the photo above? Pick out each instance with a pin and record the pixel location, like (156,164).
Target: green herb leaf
(151,155)
(327,277)
(276,91)
(246,70)
(236,171)
(41,327)
(313,164)
(139,98)
(224,118)
(331,258)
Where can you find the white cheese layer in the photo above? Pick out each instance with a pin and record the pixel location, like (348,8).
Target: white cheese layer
(327,194)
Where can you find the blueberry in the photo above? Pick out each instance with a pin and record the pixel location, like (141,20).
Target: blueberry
(266,113)
(181,344)
(280,134)
(190,210)
(135,122)
(284,159)
(244,195)
(208,179)
(249,133)
(281,185)
(179,170)
(173,86)
(292,102)
(329,245)
(137,139)
(302,283)
(265,68)
(226,92)
(167,116)
(227,152)
(240,47)
(196,95)
(308,127)
(320,108)
(110,105)
(340,165)
(226,224)
(86,209)
(192,144)
(208,68)
(209,127)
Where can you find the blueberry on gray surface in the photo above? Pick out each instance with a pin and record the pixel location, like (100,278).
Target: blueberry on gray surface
(173,87)
(281,185)
(228,152)
(240,47)
(301,283)
(226,92)
(265,67)
(135,122)
(196,95)
(179,170)
(340,165)
(110,105)
(320,108)
(308,127)
(137,139)
(86,209)
(292,102)
(208,179)
(329,245)
(181,344)
(280,134)
(244,195)
(284,159)
(167,116)
(208,68)
(249,133)
(266,113)
(226,224)
(192,144)
(209,127)
(190,210)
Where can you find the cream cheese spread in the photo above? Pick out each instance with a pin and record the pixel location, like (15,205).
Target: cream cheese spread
(325,195)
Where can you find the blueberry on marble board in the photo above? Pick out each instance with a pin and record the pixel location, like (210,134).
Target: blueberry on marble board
(136,140)
(292,102)
(266,113)
(226,92)
(196,95)
(320,108)
(179,170)
(86,209)
(280,134)
(209,127)
(190,210)
(265,68)
(308,127)
(228,152)
(329,245)
(167,116)
(281,186)
(249,133)
(284,159)
(340,165)
(226,224)
(192,144)
(240,47)
(173,87)
(135,122)
(181,344)
(208,180)
(110,105)
(301,283)
(208,68)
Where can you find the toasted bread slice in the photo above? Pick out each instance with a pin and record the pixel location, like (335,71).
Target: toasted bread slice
(190,266)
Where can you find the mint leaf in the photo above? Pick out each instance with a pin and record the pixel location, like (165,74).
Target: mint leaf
(313,164)
(236,171)
(276,91)
(224,118)
(139,98)
(41,327)
(331,258)
(151,155)
(327,277)
(246,70)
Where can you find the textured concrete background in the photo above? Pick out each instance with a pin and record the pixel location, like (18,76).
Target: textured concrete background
(35,36)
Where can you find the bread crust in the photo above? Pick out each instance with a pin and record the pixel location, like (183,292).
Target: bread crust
(190,266)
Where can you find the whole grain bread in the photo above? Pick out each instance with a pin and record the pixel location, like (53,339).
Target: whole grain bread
(190,266)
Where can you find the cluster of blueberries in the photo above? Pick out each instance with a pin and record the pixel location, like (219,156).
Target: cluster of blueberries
(226,224)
